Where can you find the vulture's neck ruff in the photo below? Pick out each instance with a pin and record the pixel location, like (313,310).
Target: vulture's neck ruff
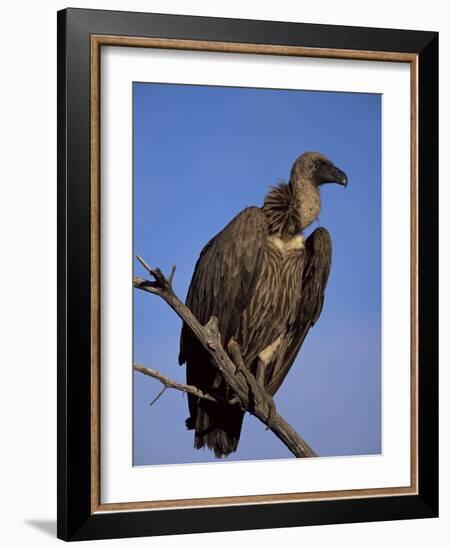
(291,207)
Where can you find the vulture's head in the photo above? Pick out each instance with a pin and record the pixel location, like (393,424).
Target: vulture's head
(318,169)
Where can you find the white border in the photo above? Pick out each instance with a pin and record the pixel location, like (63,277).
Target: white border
(120,482)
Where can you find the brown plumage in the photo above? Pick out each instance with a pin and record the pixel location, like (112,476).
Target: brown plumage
(265,284)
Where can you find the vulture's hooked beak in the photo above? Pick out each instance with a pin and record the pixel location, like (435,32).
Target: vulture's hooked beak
(332,174)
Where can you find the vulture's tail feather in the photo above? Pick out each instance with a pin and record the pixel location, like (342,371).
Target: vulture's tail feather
(218,428)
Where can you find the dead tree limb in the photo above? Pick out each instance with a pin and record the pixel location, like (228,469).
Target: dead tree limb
(251,396)
(168,383)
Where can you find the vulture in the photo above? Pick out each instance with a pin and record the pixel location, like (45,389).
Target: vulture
(265,284)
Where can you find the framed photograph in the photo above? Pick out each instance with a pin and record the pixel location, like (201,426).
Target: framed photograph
(247,274)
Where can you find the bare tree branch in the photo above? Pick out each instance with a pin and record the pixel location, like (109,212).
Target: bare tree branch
(251,396)
(164,388)
(168,383)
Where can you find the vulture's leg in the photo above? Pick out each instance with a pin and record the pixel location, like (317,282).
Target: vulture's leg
(272,409)
(261,367)
(265,358)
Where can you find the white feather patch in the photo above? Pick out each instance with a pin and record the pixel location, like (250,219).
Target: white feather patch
(267,353)
(296,243)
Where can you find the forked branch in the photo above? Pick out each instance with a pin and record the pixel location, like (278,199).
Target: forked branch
(169,383)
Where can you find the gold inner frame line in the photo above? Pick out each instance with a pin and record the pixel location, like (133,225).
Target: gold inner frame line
(97,41)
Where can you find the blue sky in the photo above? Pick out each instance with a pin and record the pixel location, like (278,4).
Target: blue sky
(201,155)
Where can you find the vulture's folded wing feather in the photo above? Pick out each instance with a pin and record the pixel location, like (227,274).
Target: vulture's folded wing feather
(225,276)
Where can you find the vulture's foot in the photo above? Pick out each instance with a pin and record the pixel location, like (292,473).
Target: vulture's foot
(236,355)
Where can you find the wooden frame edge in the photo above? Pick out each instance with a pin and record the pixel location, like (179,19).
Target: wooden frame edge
(414,272)
(248,48)
(262,49)
(95,273)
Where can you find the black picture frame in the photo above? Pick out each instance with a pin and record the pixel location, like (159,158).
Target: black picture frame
(76,521)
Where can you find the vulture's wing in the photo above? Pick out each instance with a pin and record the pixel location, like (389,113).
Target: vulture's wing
(315,275)
(225,276)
